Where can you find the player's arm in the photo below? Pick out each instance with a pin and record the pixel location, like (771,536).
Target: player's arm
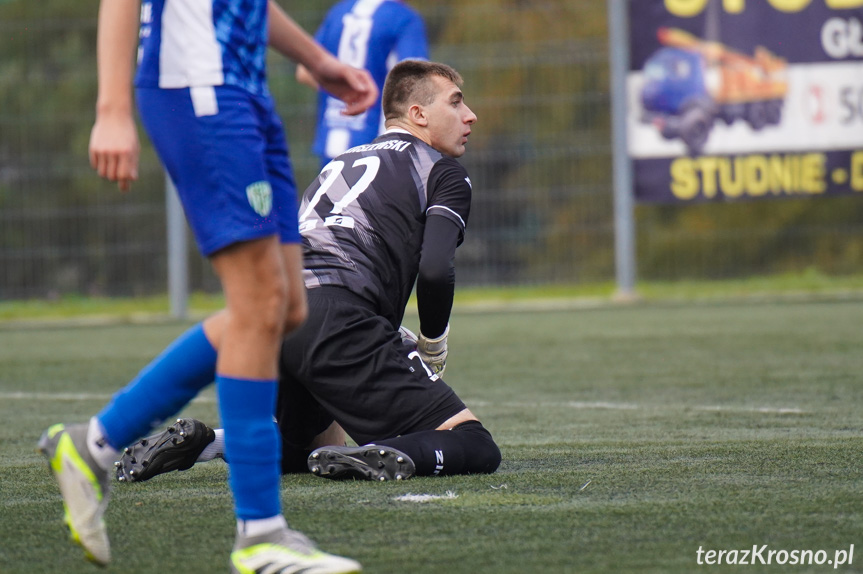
(446,218)
(436,278)
(114,143)
(353,86)
(435,288)
(305,77)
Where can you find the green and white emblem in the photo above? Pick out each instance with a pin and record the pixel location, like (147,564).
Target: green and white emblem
(260,196)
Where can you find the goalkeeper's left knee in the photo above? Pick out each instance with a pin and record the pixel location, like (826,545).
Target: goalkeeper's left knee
(467,448)
(484,452)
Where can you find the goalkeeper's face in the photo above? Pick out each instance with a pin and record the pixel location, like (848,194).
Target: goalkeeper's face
(449,118)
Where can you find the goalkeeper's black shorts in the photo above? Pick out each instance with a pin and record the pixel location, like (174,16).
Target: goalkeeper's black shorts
(347,363)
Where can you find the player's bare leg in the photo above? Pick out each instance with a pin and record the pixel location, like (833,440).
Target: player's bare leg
(333,435)
(298,305)
(255,278)
(455,420)
(255,283)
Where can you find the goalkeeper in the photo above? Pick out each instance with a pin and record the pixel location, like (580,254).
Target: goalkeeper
(378,219)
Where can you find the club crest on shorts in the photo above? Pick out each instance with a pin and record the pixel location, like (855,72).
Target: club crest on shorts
(260,196)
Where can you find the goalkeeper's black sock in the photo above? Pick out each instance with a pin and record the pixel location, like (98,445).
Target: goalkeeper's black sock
(467,448)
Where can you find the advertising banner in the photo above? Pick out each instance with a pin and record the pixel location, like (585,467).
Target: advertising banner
(731,100)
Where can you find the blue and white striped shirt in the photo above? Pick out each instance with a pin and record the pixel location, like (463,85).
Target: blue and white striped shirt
(199,43)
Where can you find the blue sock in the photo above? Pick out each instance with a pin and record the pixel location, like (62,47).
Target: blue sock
(252,445)
(161,389)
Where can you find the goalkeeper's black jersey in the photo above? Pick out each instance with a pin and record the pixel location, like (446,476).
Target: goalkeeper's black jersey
(363,218)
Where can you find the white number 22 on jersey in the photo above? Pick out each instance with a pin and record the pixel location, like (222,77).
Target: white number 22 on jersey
(334,170)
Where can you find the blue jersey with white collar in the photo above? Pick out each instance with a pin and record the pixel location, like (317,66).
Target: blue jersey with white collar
(195,43)
(370,34)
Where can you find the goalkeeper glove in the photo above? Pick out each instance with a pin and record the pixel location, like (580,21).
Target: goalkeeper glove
(433,352)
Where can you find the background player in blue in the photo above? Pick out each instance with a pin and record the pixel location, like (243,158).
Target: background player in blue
(202,94)
(370,34)
(379,218)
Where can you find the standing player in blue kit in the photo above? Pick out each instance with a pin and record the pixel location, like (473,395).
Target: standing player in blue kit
(371,34)
(202,95)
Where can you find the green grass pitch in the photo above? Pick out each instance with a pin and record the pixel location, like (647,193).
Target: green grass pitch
(632,436)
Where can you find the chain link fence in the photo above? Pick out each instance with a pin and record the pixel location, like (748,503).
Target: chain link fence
(538,159)
(536,74)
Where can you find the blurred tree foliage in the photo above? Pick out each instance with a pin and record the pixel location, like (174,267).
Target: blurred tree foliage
(59,230)
(725,240)
(535,73)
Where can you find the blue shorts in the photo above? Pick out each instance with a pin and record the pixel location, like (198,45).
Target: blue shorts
(226,153)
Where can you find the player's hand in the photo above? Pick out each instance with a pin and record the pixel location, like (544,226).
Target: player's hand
(355,87)
(433,352)
(114,149)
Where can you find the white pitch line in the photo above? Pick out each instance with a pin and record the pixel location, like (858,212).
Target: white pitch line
(606,405)
(425,497)
(20,396)
(769,410)
(600,405)
(577,405)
